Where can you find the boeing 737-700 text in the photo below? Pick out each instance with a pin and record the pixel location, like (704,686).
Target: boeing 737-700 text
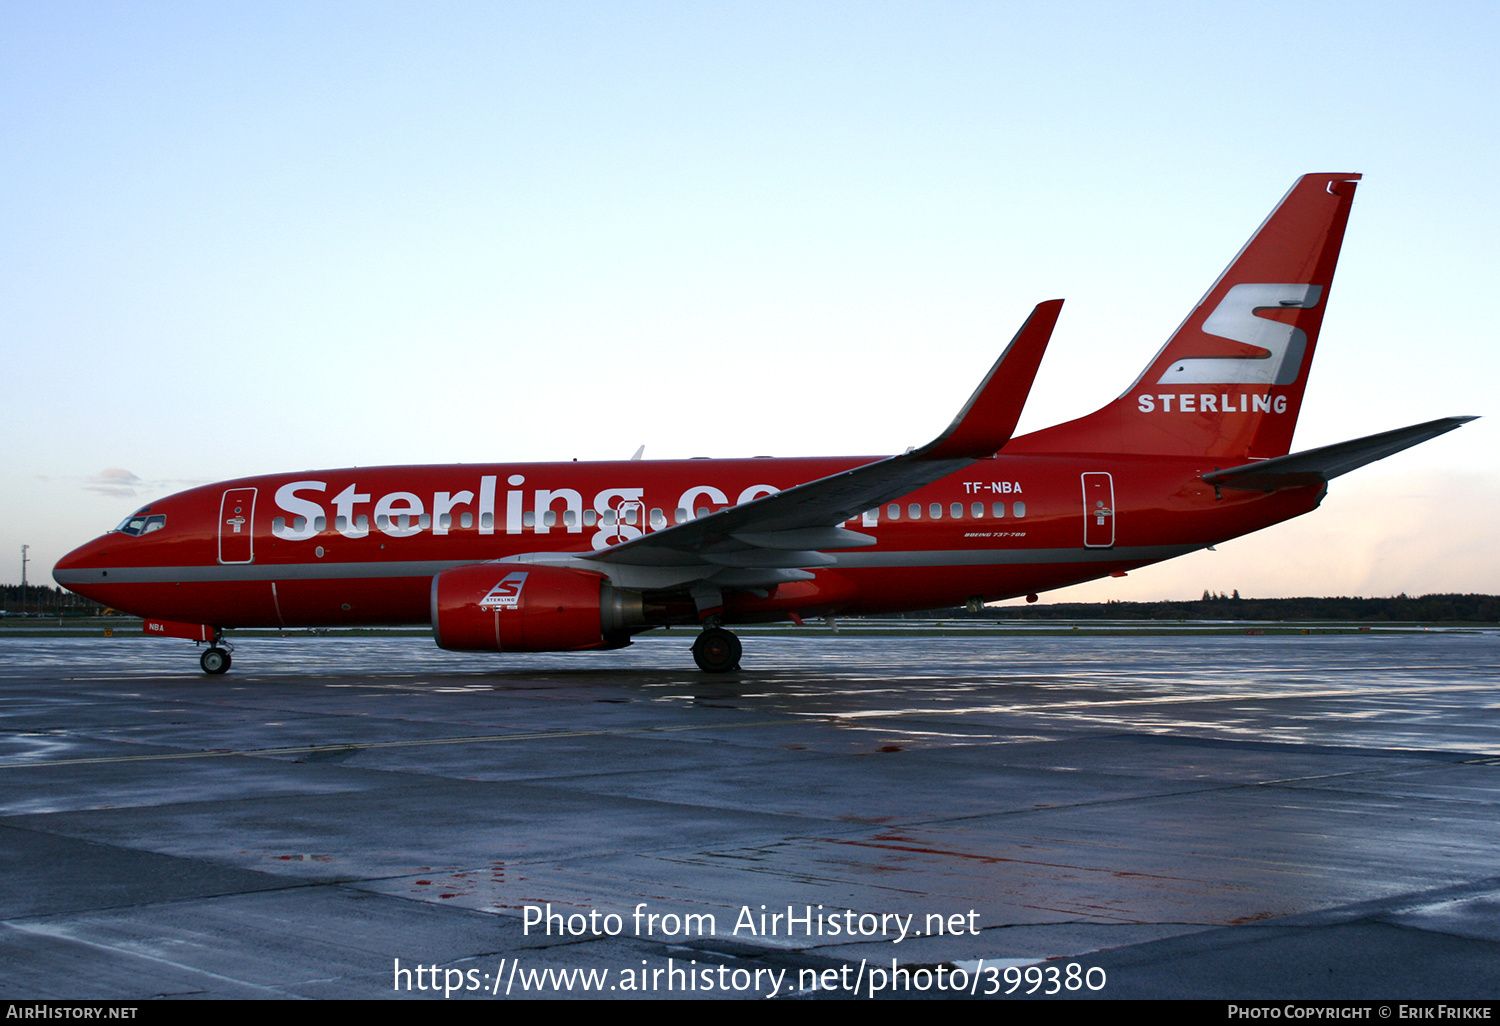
(564,556)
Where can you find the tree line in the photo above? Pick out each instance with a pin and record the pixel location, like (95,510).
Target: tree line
(1403,607)
(46,599)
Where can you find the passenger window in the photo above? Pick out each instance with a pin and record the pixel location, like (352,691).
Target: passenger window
(569,518)
(466,521)
(549,519)
(590,517)
(1020,509)
(382,521)
(362,522)
(630,514)
(278,525)
(610,519)
(893,511)
(320,524)
(935,510)
(658,519)
(681,515)
(956,510)
(914,511)
(977,510)
(425,521)
(299,525)
(528,519)
(872,516)
(486,521)
(999,510)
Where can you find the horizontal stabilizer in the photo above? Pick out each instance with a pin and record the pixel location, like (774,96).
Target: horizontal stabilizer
(1316,466)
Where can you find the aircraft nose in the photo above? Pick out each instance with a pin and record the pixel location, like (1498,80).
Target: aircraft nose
(79,568)
(83,557)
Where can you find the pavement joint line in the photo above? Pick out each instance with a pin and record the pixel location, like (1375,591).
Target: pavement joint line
(135,951)
(1108,703)
(546,735)
(219,753)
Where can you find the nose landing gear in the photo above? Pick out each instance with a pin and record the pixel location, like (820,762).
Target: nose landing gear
(717,651)
(214,660)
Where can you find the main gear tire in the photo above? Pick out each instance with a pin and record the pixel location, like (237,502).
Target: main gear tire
(717,651)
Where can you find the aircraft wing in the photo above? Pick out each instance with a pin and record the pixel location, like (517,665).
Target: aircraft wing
(1316,466)
(766,541)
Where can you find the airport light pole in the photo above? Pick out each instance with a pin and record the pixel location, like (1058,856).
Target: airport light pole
(23,578)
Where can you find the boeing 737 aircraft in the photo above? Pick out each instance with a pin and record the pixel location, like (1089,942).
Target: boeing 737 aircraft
(564,556)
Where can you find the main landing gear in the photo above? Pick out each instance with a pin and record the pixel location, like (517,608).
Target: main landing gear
(717,651)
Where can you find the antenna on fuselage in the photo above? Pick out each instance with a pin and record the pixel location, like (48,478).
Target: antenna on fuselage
(639,453)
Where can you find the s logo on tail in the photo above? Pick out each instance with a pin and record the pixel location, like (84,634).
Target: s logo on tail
(1237,318)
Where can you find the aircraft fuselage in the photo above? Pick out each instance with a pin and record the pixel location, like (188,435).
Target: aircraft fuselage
(360,546)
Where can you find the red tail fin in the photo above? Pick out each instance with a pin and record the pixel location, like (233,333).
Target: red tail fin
(1229,382)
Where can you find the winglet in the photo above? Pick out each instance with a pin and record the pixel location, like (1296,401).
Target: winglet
(988,419)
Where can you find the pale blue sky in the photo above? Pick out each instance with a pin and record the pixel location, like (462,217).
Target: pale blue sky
(247,238)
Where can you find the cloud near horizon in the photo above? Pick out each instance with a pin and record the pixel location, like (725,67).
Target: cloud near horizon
(114,481)
(120,483)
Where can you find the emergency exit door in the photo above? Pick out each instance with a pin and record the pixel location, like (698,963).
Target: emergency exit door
(236,519)
(1098,510)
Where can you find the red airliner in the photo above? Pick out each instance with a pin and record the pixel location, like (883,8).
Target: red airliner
(561,556)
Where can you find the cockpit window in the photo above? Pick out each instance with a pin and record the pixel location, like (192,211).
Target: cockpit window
(141,523)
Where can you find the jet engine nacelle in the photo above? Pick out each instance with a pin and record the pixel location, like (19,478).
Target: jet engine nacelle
(511,607)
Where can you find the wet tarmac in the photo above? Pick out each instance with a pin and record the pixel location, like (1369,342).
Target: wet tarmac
(1211,817)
